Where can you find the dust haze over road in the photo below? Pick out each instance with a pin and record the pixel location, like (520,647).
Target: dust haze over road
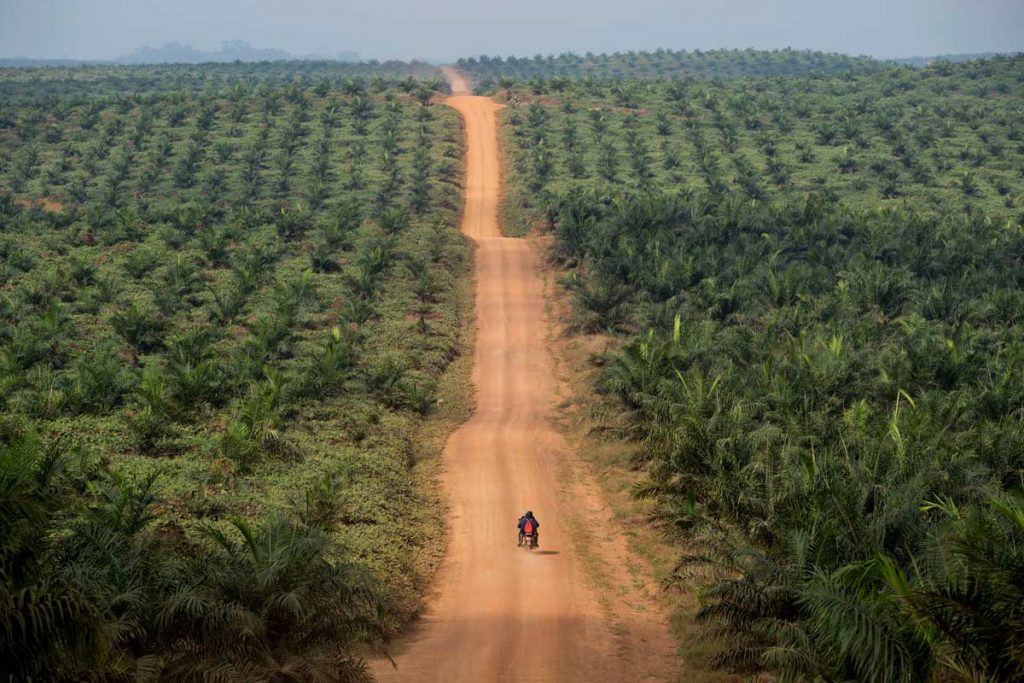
(499,613)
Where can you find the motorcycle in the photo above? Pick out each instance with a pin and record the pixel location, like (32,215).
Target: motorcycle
(528,542)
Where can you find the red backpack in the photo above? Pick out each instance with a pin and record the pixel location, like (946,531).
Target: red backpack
(528,527)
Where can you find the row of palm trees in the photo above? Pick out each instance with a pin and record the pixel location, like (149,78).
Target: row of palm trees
(239,152)
(93,587)
(829,408)
(663,64)
(213,354)
(88,82)
(930,137)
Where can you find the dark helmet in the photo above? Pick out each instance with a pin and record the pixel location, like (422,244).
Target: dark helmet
(529,513)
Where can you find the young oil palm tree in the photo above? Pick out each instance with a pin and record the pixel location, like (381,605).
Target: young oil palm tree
(269,600)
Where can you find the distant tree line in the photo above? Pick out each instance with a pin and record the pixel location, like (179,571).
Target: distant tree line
(665,64)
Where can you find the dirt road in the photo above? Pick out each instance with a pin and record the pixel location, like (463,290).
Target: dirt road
(499,613)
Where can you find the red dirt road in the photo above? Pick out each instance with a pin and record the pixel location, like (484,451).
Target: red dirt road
(498,612)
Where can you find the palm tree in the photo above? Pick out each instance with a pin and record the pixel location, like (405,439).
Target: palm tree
(268,600)
(976,604)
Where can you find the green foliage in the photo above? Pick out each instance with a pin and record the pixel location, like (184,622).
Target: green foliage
(140,327)
(272,603)
(658,65)
(256,427)
(812,280)
(884,136)
(975,602)
(807,377)
(160,315)
(105,593)
(233,80)
(100,380)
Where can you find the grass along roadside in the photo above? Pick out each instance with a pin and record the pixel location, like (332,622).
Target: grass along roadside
(517,215)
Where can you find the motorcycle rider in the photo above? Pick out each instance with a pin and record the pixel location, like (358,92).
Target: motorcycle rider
(528,525)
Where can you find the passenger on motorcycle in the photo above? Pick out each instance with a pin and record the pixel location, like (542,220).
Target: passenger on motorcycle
(528,526)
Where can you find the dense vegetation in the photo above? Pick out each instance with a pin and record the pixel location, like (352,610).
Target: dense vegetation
(89,81)
(227,294)
(661,65)
(818,286)
(948,137)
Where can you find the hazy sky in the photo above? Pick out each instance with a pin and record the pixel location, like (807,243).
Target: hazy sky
(444,29)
